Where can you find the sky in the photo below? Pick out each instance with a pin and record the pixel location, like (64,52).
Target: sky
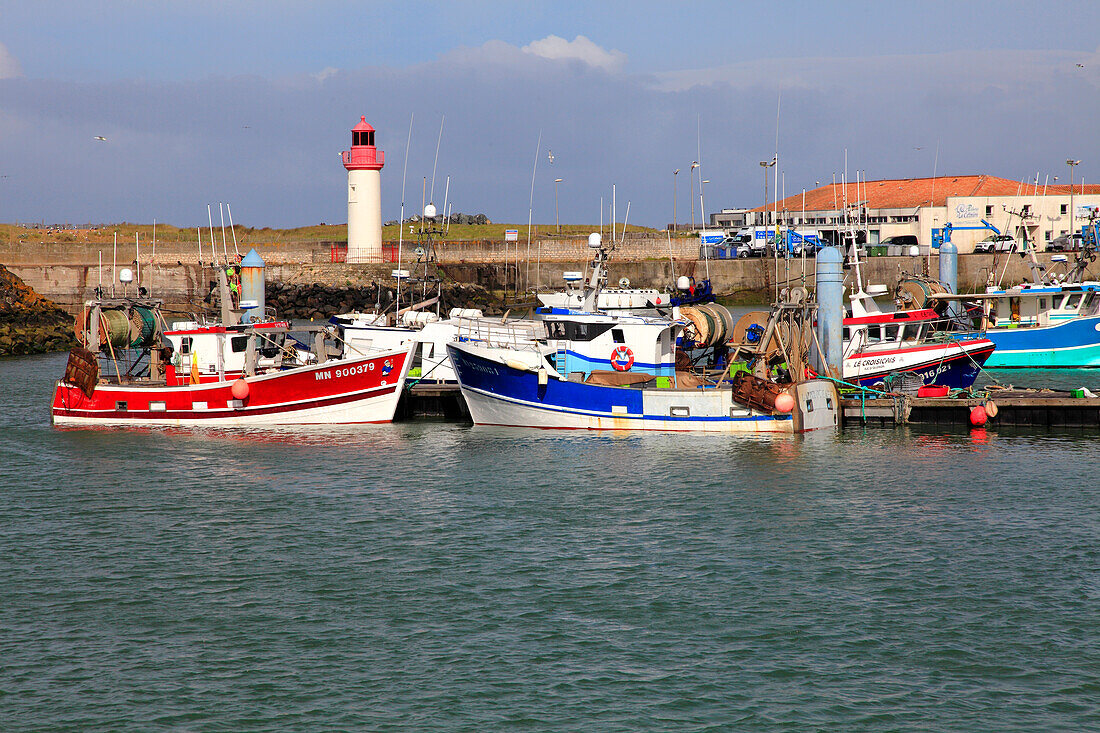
(250,103)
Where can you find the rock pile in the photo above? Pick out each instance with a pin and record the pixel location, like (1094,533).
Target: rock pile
(29,323)
(319,302)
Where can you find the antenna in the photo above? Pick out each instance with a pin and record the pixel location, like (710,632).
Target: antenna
(530,212)
(114,261)
(225,252)
(401,217)
(446,193)
(210,222)
(439,140)
(233,229)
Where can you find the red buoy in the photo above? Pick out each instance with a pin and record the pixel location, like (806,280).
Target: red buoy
(240,390)
(978,416)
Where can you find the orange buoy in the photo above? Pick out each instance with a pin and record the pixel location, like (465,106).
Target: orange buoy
(784,402)
(978,416)
(240,390)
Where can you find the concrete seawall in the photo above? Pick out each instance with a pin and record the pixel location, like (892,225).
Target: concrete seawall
(752,280)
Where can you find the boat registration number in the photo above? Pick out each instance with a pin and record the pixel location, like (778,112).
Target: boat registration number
(350,371)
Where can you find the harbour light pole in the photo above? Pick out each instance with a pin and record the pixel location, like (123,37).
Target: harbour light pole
(1071,163)
(556,222)
(691,175)
(674,174)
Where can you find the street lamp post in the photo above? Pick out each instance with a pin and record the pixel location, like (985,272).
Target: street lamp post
(766,164)
(691,175)
(556,222)
(1071,163)
(674,223)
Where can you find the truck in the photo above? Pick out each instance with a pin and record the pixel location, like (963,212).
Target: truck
(762,242)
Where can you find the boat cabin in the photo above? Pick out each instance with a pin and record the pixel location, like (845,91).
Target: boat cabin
(886,331)
(217,353)
(582,343)
(1031,306)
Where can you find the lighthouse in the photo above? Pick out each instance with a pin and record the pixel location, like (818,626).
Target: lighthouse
(364,165)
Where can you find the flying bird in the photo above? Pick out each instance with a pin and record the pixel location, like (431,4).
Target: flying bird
(1080,66)
(101,138)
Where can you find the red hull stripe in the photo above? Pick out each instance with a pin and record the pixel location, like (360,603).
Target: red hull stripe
(217,414)
(962,344)
(926,314)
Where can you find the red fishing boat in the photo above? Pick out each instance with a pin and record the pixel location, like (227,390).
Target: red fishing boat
(133,369)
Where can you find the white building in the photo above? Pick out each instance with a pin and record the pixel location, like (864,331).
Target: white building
(975,206)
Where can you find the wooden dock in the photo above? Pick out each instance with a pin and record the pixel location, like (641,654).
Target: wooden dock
(429,400)
(1027,409)
(1043,408)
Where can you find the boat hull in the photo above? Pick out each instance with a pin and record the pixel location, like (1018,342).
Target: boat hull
(357,390)
(1072,344)
(955,365)
(499,394)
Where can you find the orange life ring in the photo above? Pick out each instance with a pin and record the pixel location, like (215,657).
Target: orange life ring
(622,358)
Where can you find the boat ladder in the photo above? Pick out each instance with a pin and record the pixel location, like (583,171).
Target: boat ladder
(559,361)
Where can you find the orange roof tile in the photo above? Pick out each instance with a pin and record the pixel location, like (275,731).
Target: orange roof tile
(906,193)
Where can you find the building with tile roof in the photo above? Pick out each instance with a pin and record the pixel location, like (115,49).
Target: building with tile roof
(975,206)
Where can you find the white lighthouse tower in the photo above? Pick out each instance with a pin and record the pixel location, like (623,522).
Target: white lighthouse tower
(364,165)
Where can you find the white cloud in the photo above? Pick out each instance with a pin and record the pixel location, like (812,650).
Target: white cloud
(325,73)
(580,49)
(9,65)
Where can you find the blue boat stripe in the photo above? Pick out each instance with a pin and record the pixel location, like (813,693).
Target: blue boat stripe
(629,416)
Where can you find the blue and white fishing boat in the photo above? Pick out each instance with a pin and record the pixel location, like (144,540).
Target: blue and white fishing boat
(1042,326)
(581,369)
(1051,322)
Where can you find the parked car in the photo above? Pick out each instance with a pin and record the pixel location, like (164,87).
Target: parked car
(900,240)
(996,243)
(1065,243)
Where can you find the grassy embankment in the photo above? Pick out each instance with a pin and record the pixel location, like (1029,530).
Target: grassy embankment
(265,235)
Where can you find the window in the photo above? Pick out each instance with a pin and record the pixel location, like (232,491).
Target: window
(809,405)
(617,334)
(1073,301)
(989,211)
(1026,211)
(238,344)
(185,345)
(1063,209)
(892,332)
(121,406)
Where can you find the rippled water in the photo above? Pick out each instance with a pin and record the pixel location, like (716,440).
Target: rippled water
(433,576)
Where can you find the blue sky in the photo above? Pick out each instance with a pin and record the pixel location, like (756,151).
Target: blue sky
(250,102)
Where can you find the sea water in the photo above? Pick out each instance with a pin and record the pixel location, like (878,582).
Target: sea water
(440,576)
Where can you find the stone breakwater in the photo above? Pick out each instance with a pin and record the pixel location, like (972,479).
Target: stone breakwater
(29,323)
(318,301)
